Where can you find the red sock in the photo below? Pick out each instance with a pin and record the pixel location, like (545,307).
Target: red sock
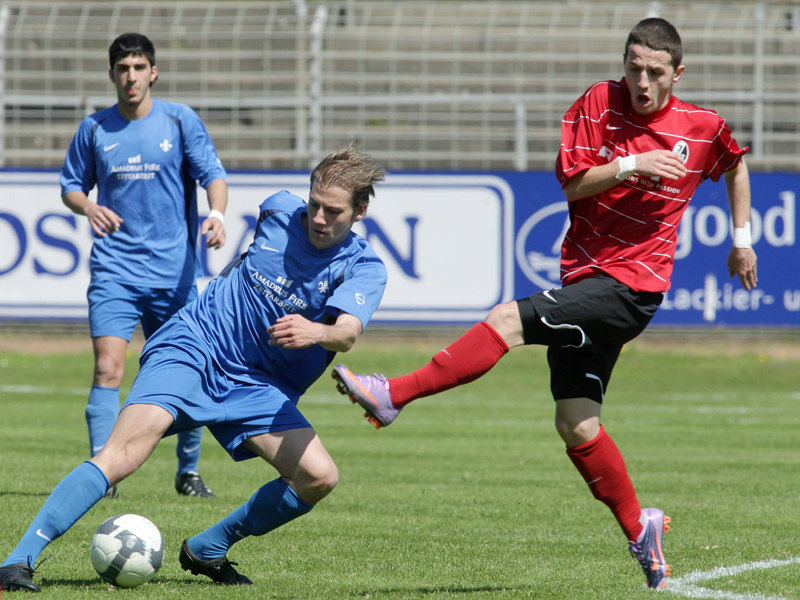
(601,464)
(466,359)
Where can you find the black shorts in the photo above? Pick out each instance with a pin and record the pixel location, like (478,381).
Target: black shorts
(585,325)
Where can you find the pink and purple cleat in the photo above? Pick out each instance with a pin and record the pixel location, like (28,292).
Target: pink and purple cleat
(371,392)
(647,547)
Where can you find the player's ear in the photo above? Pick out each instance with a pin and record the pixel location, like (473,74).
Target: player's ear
(360,213)
(678,72)
(111,75)
(153,75)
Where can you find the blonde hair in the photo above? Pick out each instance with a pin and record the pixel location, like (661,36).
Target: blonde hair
(351,170)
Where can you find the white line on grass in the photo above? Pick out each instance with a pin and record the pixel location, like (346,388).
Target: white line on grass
(36,389)
(687,584)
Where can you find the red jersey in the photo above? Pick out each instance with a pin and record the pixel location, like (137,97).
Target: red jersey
(630,231)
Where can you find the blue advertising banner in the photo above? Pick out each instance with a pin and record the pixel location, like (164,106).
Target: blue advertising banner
(702,292)
(455,244)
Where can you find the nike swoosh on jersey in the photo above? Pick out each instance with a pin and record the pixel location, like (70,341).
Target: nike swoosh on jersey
(111,147)
(265,247)
(612,127)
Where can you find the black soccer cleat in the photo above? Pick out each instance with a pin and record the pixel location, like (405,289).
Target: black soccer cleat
(191,484)
(18,578)
(220,570)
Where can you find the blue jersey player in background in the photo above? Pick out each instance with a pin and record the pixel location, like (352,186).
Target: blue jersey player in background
(237,359)
(145,157)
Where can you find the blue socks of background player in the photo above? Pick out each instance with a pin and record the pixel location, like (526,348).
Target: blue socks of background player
(101,412)
(77,493)
(273,505)
(188,450)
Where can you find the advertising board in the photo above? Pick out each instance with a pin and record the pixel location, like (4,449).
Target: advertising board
(454,245)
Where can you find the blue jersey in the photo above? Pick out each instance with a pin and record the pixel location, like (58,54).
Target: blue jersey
(146,172)
(282,273)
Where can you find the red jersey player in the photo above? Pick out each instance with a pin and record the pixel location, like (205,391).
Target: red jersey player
(631,157)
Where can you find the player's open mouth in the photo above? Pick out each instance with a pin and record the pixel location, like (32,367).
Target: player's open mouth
(643,99)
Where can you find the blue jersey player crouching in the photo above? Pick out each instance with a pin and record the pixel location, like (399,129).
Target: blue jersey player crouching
(237,359)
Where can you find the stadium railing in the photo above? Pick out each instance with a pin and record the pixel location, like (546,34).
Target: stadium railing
(424,85)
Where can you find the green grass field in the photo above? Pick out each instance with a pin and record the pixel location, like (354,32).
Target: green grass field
(467,495)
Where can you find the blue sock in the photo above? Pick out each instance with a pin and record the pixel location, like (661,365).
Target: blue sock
(78,492)
(273,505)
(101,412)
(188,450)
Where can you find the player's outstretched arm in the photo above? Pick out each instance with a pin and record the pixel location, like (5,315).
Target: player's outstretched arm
(742,258)
(295,331)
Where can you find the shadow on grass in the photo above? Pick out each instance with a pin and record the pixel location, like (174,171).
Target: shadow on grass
(442,589)
(96,581)
(31,494)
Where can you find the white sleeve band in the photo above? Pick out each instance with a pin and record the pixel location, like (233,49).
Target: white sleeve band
(627,166)
(217,215)
(742,238)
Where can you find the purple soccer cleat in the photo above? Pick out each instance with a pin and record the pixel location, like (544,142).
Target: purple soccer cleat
(647,548)
(370,391)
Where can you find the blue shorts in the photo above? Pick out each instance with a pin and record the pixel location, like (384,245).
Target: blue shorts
(178,374)
(115,308)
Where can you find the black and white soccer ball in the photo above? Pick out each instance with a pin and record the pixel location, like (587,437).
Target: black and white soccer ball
(127,550)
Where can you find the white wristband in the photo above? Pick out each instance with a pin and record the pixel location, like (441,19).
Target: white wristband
(217,215)
(742,238)
(627,166)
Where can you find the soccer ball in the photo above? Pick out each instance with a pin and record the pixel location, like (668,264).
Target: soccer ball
(127,550)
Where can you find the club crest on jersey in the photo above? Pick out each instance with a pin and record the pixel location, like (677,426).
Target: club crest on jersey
(682,149)
(322,286)
(165,145)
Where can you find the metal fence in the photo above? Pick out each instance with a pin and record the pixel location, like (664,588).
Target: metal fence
(424,85)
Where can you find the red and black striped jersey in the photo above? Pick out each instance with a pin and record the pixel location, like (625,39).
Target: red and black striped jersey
(630,231)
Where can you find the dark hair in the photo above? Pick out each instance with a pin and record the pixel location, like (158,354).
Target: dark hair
(351,170)
(128,44)
(656,34)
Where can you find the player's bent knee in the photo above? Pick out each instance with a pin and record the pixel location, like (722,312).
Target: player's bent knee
(575,433)
(314,486)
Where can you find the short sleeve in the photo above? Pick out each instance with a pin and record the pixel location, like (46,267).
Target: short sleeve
(78,170)
(582,134)
(200,150)
(361,290)
(726,155)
